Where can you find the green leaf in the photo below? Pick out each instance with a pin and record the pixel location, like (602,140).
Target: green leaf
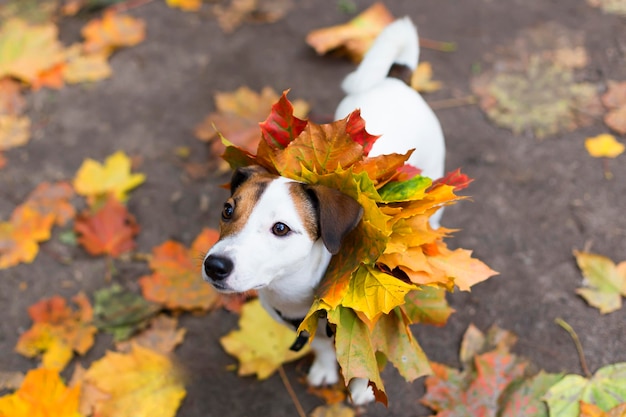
(606,389)
(122,312)
(605,281)
(428,305)
(399,191)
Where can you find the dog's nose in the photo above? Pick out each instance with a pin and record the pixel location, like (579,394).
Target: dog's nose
(218,267)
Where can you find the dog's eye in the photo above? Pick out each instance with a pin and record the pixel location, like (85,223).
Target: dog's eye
(280,229)
(228,211)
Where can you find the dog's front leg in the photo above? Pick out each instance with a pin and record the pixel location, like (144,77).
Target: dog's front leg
(324,369)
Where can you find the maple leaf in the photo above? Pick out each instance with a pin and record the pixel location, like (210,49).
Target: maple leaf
(26,50)
(604,146)
(354,37)
(606,389)
(186,5)
(58,331)
(456,179)
(114,176)
(14,131)
(42,393)
(107,231)
(493,383)
(281,127)
(238,115)
(161,336)
(112,31)
(355,128)
(427,306)
(231,17)
(605,282)
(261,344)
(85,67)
(20,236)
(531,73)
(122,312)
(53,198)
(142,383)
(421,79)
(175,281)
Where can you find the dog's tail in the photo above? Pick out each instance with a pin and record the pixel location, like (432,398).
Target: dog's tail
(396,44)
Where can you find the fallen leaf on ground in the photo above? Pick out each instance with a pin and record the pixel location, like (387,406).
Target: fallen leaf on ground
(14,131)
(121,312)
(175,281)
(493,383)
(58,331)
(232,16)
(110,230)
(604,146)
(53,198)
(142,383)
(114,176)
(82,67)
(354,37)
(261,344)
(20,236)
(112,31)
(531,86)
(26,50)
(606,389)
(422,79)
(186,5)
(615,100)
(42,393)
(161,335)
(605,282)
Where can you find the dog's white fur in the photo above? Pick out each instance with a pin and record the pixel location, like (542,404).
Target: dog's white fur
(287,269)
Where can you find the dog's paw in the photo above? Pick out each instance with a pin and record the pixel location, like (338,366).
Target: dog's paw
(360,391)
(322,374)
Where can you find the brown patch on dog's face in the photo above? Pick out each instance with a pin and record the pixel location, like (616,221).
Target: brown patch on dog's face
(242,203)
(305,209)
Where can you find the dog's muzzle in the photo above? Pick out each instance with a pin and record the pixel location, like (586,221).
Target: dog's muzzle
(217,268)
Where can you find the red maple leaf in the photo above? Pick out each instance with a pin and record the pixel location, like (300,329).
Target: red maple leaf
(456,179)
(108,231)
(281,126)
(356,129)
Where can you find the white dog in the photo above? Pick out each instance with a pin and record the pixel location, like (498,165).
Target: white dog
(277,235)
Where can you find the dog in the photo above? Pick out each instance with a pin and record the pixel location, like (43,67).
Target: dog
(277,236)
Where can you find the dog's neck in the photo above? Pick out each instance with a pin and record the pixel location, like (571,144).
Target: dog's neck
(292,295)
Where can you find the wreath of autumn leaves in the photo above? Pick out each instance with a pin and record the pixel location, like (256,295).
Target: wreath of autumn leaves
(393,269)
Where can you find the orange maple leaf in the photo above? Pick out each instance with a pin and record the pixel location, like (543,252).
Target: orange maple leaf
(175,281)
(53,198)
(58,331)
(42,394)
(112,31)
(20,236)
(108,231)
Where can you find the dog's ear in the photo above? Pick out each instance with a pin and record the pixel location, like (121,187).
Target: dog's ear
(337,214)
(243,174)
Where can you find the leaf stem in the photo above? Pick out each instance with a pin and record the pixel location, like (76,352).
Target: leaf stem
(579,347)
(291,392)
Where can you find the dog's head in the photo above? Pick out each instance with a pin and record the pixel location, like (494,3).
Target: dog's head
(273,227)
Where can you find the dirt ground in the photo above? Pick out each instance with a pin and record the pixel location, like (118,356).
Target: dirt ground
(533,201)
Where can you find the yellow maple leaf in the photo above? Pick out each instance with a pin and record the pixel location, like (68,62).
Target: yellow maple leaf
(604,146)
(261,344)
(141,383)
(27,50)
(94,179)
(83,67)
(422,79)
(186,5)
(42,394)
(374,292)
(58,331)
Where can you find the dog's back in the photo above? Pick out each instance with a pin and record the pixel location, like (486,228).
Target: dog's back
(390,107)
